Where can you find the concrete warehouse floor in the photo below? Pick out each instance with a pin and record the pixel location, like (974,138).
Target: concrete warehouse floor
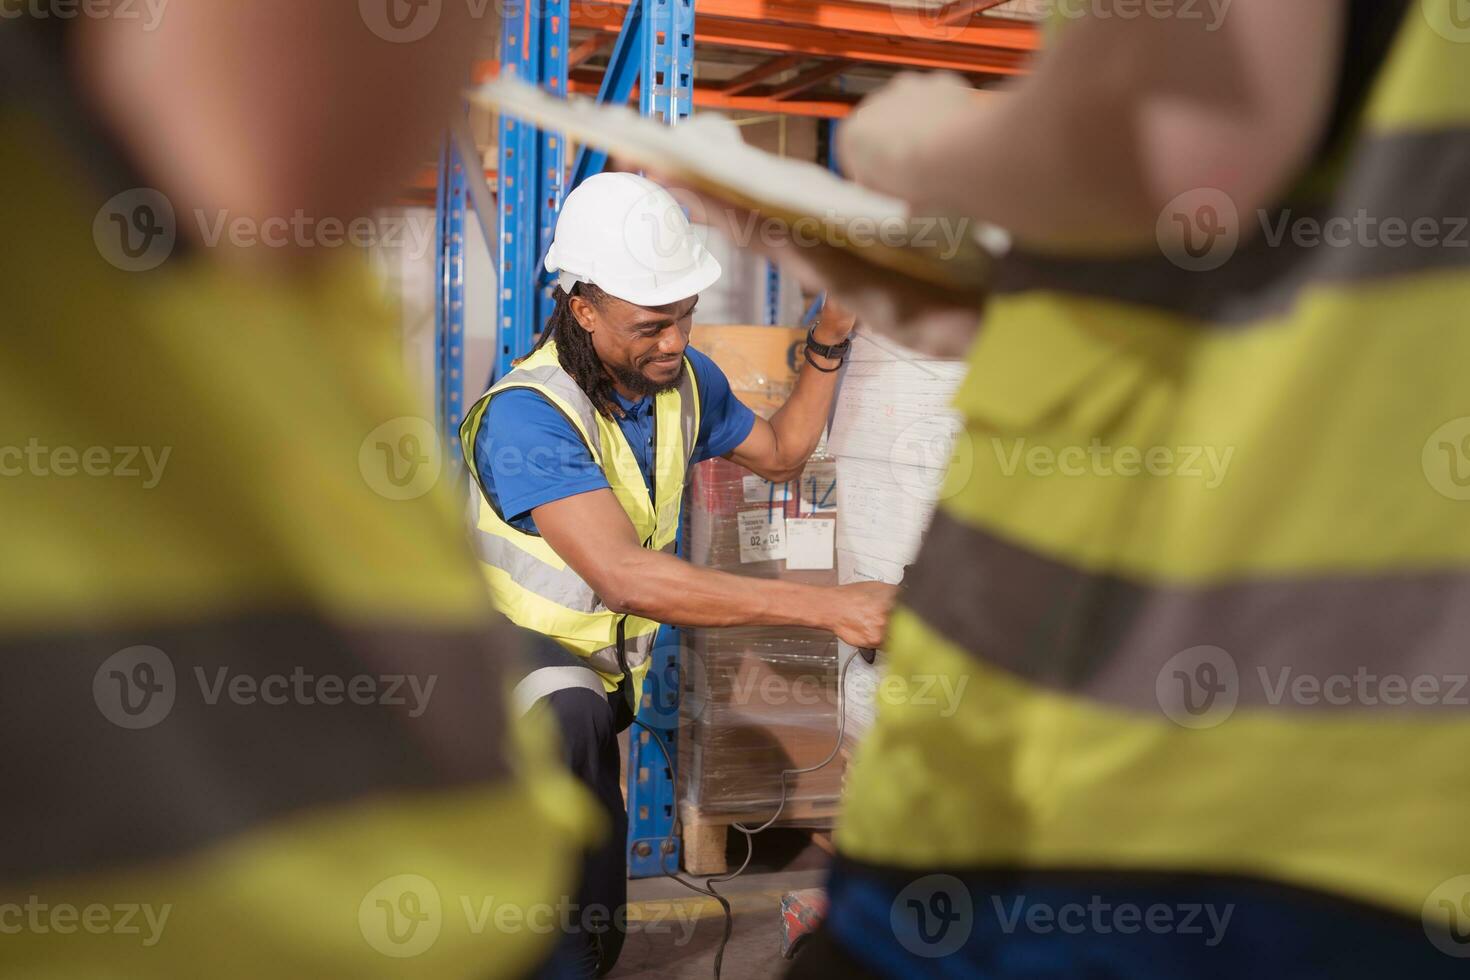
(673,932)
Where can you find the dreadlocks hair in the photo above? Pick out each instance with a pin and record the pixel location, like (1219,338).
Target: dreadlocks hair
(574,348)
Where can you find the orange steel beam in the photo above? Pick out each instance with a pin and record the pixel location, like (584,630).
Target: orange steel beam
(761,72)
(964,11)
(998,51)
(877,19)
(426,182)
(897,56)
(872,50)
(588,48)
(709,97)
(808,79)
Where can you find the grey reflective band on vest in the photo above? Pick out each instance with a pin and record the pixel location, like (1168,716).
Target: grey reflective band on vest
(559,585)
(1116,640)
(547,681)
(639,649)
(606,660)
(555,379)
(562,586)
(688,414)
(1406,177)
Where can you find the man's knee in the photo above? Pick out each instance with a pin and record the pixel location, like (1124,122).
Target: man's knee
(585,721)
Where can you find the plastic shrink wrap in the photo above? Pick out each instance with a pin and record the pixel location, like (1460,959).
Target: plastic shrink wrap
(757,700)
(893,436)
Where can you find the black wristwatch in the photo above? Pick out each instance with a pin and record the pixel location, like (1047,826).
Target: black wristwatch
(833,352)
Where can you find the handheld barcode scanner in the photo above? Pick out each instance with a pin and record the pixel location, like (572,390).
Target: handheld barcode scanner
(870,654)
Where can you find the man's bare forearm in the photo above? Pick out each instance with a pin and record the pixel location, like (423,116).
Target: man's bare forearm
(799,423)
(593,535)
(669,590)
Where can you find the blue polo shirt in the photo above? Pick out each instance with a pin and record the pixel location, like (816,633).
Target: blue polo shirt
(527,453)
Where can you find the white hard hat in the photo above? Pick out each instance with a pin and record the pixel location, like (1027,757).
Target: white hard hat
(628,236)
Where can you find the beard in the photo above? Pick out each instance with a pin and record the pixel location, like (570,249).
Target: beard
(640,384)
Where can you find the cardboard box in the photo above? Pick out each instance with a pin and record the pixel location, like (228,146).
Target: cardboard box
(742,523)
(761,362)
(757,700)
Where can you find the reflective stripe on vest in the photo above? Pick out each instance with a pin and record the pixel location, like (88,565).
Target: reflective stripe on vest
(530,583)
(1201,601)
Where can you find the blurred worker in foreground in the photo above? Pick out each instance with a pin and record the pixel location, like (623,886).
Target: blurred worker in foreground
(1214,731)
(256,716)
(582,454)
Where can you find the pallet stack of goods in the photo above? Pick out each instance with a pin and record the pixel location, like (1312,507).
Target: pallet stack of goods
(757,700)
(893,436)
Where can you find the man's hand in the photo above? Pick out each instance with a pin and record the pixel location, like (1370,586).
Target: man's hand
(861,611)
(835,323)
(887,141)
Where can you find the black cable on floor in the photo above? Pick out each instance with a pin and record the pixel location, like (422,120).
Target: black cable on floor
(709,884)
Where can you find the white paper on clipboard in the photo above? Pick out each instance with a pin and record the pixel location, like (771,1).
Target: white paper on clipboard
(707,153)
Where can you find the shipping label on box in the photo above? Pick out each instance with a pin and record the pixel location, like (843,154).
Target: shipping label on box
(737,520)
(819,486)
(809,542)
(816,489)
(762,535)
(759,490)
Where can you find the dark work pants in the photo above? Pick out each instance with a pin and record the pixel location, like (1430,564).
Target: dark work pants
(589,724)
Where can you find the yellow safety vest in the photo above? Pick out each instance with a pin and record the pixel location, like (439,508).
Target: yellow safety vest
(335,832)
(1208,530)
(529,581)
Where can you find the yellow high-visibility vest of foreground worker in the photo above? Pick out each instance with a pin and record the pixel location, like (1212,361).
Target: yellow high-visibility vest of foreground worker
(1260,674)
(260,720)
(530,583)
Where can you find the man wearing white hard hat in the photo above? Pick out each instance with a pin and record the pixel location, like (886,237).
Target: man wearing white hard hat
(581,455)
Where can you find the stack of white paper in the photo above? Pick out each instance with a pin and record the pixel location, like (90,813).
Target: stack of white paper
(893,436)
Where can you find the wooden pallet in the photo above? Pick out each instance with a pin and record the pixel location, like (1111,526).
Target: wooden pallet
(706,835)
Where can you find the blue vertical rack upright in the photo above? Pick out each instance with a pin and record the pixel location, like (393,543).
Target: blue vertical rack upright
(551,162)
(666,91)
(533,47)
(827,153)
(449,308)
(773,294)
